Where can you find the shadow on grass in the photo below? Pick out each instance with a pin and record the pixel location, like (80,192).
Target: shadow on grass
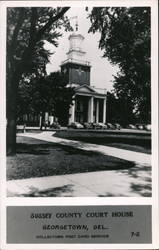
(40,149)
(38,159)
(135,143)
(51,192)
(34,149)
(51,159)
(69,149)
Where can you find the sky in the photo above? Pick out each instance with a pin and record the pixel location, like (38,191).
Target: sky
(101,70)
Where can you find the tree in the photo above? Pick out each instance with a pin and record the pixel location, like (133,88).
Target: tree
(125,41)
(62,96)
(119,110)
(27,31)
(46,94)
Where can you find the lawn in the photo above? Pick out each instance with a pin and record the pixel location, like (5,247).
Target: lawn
(138,142)
(37,158)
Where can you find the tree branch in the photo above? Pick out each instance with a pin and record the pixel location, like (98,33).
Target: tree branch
(16,31)
(50,22)
(28,52)
(33,24)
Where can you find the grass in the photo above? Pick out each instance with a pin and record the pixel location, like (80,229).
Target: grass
(132,142)
(36,158)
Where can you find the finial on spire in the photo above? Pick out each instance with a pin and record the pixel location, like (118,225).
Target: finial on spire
(76,24)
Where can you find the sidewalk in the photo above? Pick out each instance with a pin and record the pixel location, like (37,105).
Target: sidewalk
(129,183)
(140,158)
(97,184)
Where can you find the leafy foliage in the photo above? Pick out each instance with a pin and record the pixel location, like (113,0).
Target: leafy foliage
(119,110)
(125,41)
(46,94)
(27,31)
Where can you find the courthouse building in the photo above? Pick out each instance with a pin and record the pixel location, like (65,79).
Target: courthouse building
(89,103)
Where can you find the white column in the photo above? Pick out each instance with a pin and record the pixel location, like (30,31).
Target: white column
(40,121)
(97,111)
(90,113)
(51,119)
(104,110)
(72,113)
(46,116)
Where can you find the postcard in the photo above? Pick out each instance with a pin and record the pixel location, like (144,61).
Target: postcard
(79,125)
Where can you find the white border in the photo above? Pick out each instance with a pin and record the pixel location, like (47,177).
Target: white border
(86,200)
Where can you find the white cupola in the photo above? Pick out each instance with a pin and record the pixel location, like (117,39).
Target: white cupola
(75,41)
(75,48)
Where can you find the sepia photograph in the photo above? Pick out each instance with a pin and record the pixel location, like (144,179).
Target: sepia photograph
(79,125)
(78,101)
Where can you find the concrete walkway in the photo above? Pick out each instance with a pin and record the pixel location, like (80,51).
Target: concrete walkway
(124,154)
(97,184)
(134,182)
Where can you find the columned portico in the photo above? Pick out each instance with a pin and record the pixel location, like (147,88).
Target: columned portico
(88,107)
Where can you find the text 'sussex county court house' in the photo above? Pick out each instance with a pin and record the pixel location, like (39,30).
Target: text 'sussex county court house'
(89,104)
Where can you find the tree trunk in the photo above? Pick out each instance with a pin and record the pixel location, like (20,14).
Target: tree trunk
(12,89)
(42,121)
(13,82)
(11,135)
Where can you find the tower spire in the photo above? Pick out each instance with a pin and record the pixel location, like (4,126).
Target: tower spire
(76,24)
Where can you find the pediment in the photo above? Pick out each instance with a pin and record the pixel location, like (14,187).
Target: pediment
(84,89)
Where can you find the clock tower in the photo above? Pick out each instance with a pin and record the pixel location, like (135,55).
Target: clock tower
(75,67)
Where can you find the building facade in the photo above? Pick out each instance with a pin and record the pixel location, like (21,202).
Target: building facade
(89,103)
